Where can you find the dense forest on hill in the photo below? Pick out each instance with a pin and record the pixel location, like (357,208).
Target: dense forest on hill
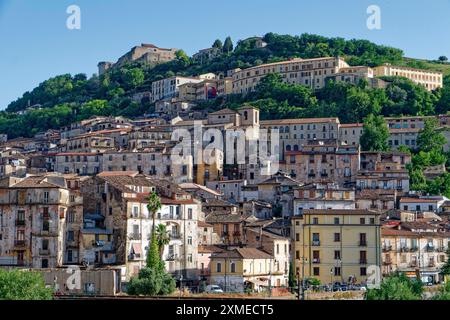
(67,98)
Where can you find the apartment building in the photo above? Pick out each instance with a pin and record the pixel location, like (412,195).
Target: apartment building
(82,163)
(155,162)
(241,268)
(170,87)
(33,216)
(92,142)
(384,170)
(350,133)
(415,248)
(308,72)
(294,133)
(323,160)
(376,199)
(336,245)
(120,197)
(422,203)
(322,196)
(431,80)
(149,136)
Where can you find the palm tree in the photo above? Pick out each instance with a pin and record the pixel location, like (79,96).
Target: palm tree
(162,238)
(153,205)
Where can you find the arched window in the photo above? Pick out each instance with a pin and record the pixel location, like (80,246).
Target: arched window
(295,147)
(233,267)
(286,129)
(288,147)
(245,115)
(219,267)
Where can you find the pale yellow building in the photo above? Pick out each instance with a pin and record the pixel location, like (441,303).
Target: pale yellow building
(336,245)
(431,80)
(308,72)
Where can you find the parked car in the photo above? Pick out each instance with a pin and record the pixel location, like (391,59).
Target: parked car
(213,288)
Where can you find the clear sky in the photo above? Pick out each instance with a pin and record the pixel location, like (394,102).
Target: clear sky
(35,43)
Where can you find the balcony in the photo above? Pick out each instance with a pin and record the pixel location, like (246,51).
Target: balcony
(362,243)
(72,244)
(429,248)
(44,252)
(135,236)
(413,264)
(169,217)
(387,262)
(236,233)
(225,234)
(440,249)
(324,175)
(19,243)
(311,175)
(20,222)
(171,257)
(404,249)
(387,248)
(414,249)
(431,264)
(135,256)
(174,236)
(316,242)
(316,260)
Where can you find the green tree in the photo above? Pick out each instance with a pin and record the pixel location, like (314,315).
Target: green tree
(153,205)
(397,286)
(375,134)
(23,285)
(444,292)
(133,77)
(443,59)
(217,44)
(162,238)
(228,45)
(430,138)
(292,281)
(445,269)
(183,57)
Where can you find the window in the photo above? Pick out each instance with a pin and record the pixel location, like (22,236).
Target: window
(337,254)
(316,271)
(70,236)
(189,257)
(44,263)
(337,237)
(315,220)
(336,220)
(135,212)
(297,237)
(45,196)
(219,267)
(233,267)
(189,213)
(372,220)
(362,221)
(363,271)
(189,240)
(337,271)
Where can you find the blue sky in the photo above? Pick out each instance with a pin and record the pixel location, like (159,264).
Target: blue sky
(35,43)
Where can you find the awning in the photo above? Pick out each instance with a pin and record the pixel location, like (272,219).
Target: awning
(136,247)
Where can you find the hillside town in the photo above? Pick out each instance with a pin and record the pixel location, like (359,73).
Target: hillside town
(323,209)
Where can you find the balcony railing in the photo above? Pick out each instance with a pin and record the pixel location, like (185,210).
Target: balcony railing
(134,257)
(387,248)
(316,260)
(20,222)
(363,243)
(404,249)
(174,236)
(237,233)
(362,261)
(19,243)
(135,236)
(413,264)
(316,242)
(171,257)
(440,249)
(413,249)
(430,248)
(44,252)
(387,262)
